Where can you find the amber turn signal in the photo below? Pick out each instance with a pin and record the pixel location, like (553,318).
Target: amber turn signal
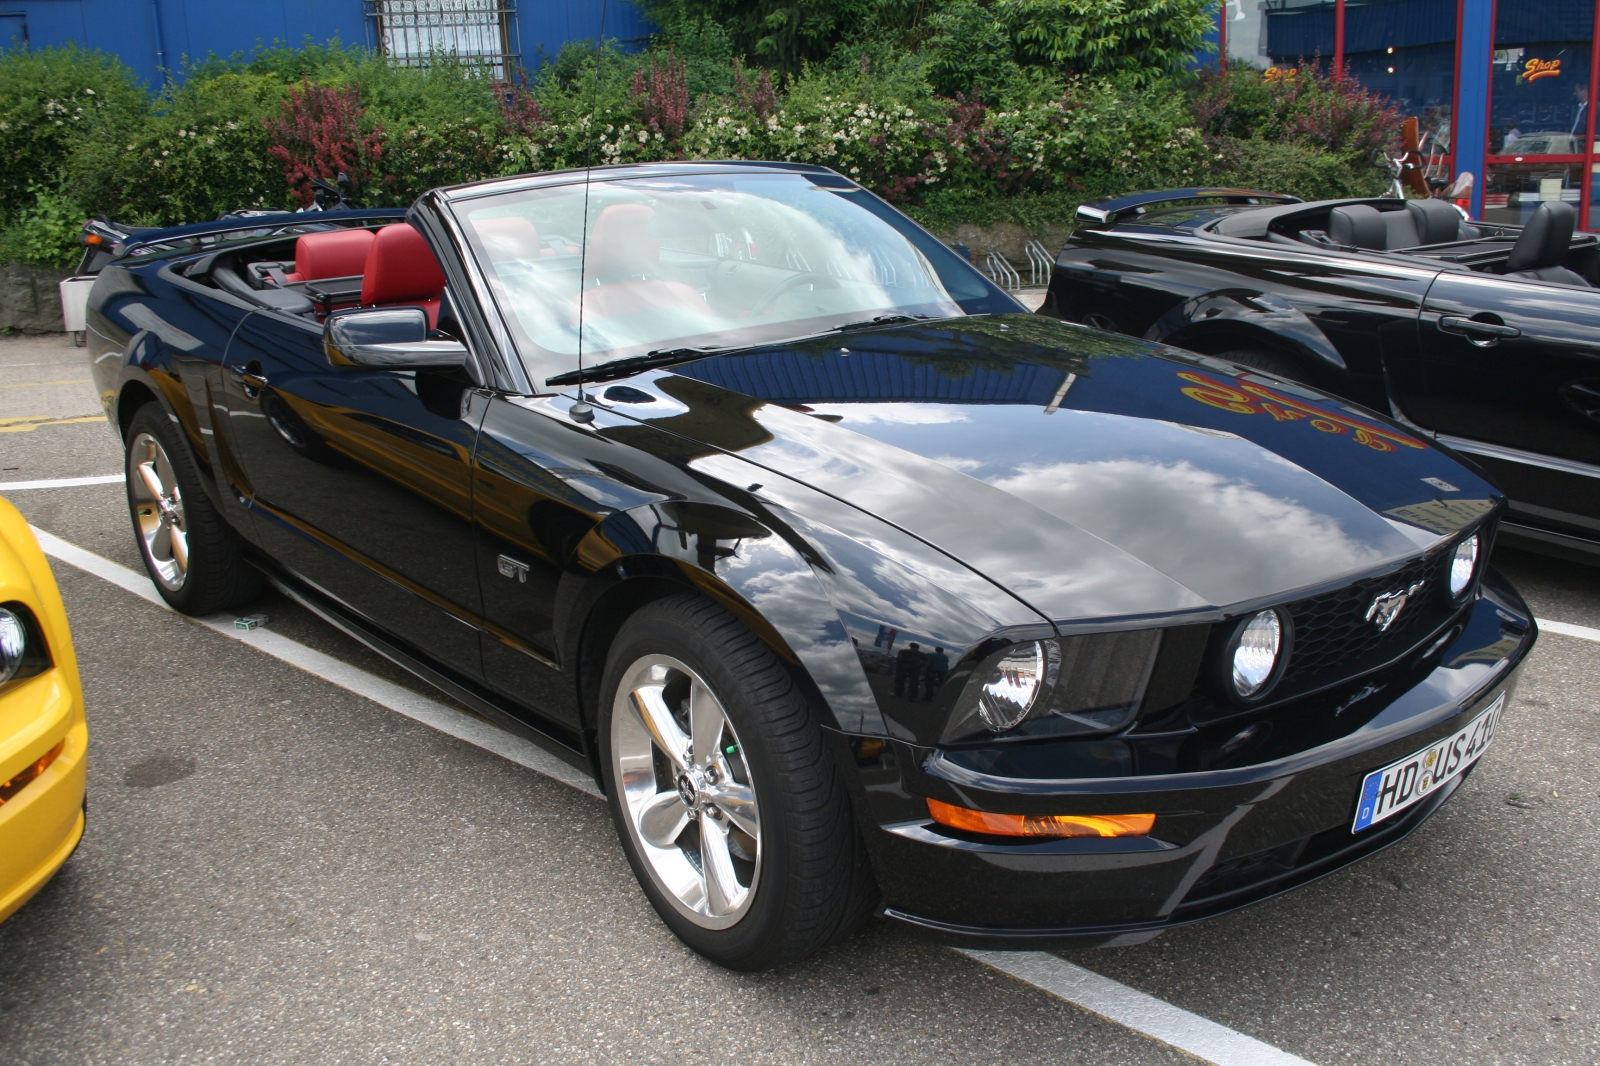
(1041,825)
(28,773)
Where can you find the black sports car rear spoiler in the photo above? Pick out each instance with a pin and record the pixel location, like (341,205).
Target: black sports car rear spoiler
(1107,211)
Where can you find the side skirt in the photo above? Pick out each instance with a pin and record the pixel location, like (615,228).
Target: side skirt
(558,742)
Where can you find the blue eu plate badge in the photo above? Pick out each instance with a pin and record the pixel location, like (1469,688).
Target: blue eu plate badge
(1389,791)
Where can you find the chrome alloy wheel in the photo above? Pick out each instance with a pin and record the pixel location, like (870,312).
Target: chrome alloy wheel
(158,511)
(689,801)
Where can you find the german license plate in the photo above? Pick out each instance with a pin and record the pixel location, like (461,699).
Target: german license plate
(1389,791)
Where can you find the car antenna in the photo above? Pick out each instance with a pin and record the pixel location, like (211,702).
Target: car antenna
(581,412)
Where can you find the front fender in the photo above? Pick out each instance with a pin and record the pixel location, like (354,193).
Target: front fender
(1237,318)
(757,573)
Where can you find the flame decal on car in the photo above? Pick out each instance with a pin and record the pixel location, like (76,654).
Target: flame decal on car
(1246,398)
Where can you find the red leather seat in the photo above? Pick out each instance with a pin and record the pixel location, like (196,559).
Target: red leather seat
(402,269)
(621,252)
(336,254)
(510,237)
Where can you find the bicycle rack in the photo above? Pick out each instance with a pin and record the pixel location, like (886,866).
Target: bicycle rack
(1039,263)
(1002,273)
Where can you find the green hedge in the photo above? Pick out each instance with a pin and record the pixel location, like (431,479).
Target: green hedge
(1024,145)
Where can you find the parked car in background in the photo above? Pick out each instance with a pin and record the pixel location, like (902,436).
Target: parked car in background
(856,587)
(43,735)
(1481,337)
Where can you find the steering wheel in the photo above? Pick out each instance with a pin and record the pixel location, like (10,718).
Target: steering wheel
(788,285)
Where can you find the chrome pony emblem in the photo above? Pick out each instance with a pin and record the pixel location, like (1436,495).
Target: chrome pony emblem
(1386,607)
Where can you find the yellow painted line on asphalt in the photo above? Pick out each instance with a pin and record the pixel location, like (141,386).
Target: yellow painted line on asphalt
(29,423)
(37,384)
(1155,1019)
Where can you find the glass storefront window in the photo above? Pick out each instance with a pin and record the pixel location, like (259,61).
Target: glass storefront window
(1516,190)
(1539,75)
(1246,29)
(1538,106)
(1299,31)
(1406,50)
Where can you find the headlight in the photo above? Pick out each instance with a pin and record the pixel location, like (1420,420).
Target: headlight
(1463,564)
(1257,651)
(1060,687)
(13,644)
(1012,686)
(23,652)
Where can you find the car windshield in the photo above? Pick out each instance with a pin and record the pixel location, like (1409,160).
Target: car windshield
(701,261)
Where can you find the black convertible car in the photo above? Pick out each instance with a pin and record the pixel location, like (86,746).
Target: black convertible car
(1484,337)
(857,589)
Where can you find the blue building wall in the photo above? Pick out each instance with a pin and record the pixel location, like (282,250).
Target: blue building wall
(150,35)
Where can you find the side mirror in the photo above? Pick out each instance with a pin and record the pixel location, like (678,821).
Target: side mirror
(388,338)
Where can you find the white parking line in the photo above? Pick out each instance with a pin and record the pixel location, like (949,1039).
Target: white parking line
(1566,629)
(1157,1019)
(60,483)
(1151,1017)
(429,712)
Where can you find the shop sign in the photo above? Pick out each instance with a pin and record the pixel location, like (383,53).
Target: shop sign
(1534,69)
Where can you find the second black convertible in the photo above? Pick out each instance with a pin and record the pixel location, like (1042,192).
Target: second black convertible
(1479,335)
(858,590)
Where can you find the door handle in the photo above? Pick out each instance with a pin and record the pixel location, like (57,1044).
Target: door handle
(1477,329)
(250,374)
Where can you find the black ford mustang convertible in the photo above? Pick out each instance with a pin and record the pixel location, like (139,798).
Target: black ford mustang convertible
(858,590)
(1478,335)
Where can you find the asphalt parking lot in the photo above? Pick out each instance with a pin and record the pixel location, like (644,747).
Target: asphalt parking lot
(278,870)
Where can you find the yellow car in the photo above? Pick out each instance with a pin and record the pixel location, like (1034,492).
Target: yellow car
(43,736)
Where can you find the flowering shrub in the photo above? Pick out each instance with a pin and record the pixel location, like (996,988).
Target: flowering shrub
(1300,104)
(52,101)
(81,137)
(320,135)
(661,96)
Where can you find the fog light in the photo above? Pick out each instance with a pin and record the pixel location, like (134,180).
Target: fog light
(1462,565)
(1255,655)
(1041,825)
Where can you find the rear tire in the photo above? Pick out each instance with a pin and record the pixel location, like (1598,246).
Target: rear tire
(1266,362)
(191,553)
(744,841)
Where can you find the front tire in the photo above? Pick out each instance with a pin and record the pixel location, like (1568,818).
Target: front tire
(733,816)
(189,550)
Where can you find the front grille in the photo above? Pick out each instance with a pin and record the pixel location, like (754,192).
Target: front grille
(1332,633)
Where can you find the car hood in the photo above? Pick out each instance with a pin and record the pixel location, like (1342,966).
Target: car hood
(1095,476)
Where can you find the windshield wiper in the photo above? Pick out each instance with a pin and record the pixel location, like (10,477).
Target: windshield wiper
(881,320)
(621,368)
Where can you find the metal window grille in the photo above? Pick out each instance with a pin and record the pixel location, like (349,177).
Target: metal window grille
(412,32)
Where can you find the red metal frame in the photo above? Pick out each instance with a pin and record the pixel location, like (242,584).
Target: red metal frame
(1587,182)
(1455,95)
(1338,39)
(1587,159)
(1222,34)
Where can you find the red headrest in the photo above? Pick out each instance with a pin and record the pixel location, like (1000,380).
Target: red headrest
(621,247)
(509,237)
(338,254)
(401,268)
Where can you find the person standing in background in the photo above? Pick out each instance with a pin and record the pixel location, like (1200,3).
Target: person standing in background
(907,671)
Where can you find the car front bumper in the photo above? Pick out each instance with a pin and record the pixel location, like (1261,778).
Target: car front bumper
(1223,838)
(41,824)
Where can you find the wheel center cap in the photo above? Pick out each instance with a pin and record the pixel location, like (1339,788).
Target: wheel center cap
(689,789)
